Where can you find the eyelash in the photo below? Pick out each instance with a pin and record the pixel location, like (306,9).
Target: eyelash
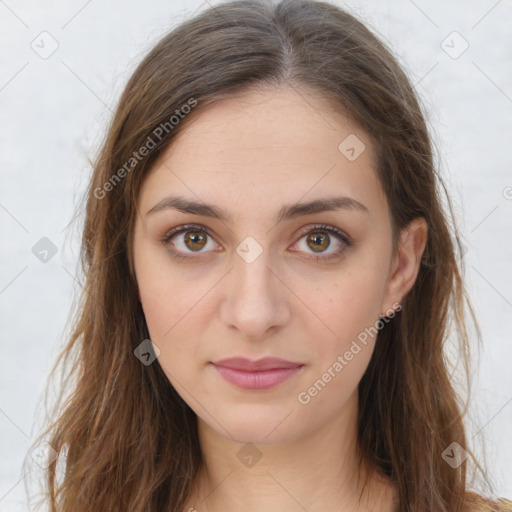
(342,237)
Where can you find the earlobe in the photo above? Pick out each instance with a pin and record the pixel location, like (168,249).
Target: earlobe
(413,239)
(390,313)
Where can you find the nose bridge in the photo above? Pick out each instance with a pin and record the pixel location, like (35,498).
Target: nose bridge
(256,300)
(252,269)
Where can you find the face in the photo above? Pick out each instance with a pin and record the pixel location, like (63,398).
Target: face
(254,276)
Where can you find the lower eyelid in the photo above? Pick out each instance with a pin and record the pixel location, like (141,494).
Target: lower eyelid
(168,238)
(326,255)
(331,232)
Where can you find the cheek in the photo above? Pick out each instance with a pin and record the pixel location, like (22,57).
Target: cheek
(166,294)
(170,308)
(177,306)
(342,334)
(165,299)
(343,306)
(173,316)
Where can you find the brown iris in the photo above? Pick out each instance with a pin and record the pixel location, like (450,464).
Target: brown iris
(196,238)
(320,241)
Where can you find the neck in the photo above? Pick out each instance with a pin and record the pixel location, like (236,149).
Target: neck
(317,472)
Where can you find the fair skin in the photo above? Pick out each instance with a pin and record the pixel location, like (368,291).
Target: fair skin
(249,156)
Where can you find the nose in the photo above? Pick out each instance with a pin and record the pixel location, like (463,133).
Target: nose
(257,298)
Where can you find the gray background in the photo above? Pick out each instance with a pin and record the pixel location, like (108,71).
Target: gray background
(55,109)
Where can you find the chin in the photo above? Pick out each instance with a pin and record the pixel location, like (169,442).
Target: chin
(250,424)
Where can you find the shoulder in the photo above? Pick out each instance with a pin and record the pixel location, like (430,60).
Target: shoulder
(481,504)
(504,504)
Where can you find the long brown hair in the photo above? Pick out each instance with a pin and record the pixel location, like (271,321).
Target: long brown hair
(126,440)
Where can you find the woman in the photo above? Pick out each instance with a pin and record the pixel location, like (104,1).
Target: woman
(270,279)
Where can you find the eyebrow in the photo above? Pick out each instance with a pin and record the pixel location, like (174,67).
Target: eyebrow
(287,212)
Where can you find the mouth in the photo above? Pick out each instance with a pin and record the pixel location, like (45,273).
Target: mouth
(262,374)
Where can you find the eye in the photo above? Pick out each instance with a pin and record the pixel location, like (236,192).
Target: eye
(193,238)
(318,239)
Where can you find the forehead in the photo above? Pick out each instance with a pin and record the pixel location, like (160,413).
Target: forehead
(262,147)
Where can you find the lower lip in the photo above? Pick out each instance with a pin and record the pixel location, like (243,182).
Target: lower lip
(264,379)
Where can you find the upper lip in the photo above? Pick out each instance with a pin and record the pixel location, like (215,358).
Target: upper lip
(266,363)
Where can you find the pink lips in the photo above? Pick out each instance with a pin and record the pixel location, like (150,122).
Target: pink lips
(256,375)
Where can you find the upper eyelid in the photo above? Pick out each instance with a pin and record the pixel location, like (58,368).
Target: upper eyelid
(333,230)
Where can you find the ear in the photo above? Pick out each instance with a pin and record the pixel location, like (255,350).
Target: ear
(406,264)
